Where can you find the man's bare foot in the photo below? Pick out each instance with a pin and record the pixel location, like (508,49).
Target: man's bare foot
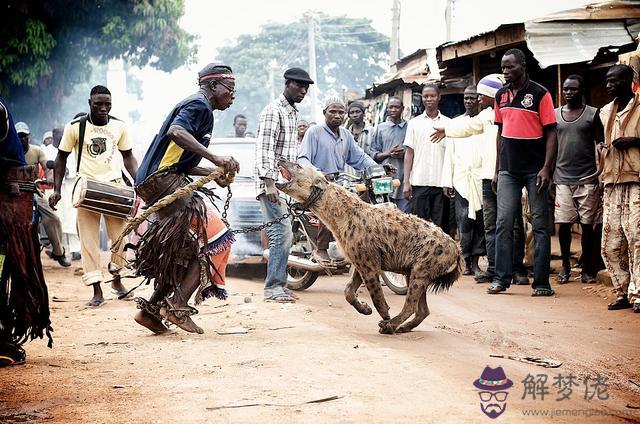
(185,323)
(151,322)
(97,299)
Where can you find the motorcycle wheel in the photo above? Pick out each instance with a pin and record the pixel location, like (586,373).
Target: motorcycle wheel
(397,283)
(298,279)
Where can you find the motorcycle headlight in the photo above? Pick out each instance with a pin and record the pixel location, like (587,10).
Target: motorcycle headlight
(382,185)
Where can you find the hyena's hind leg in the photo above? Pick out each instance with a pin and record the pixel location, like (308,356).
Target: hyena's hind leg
(416,290)
(421,313)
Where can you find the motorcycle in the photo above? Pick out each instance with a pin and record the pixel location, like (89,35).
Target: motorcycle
(375,186)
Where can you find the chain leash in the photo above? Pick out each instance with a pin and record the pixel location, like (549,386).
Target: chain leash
(293,211)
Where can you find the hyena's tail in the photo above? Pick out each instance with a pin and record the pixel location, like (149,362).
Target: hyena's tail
(446,280)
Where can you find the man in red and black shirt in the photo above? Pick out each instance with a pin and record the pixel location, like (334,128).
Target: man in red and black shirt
(527,148)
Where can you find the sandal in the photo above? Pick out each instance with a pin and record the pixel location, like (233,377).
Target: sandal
(495,288)
(290,293)
(543,292)
(93,303)
(280,298)
(564,276)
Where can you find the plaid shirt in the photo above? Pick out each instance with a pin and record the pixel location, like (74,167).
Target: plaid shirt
(277,138)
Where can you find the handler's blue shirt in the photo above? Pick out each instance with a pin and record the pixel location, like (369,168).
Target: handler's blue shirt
(11,151)
(323,150)
(195,115)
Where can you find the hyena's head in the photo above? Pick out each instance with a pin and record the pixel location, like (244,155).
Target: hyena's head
(300,180)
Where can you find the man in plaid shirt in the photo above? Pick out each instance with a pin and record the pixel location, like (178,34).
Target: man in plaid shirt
(277,138)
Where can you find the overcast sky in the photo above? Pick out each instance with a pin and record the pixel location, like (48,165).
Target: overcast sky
(218,23)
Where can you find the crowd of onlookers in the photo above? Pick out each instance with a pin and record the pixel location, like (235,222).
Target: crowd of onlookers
(514,161)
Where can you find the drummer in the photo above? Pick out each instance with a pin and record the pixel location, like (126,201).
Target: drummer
(97,160)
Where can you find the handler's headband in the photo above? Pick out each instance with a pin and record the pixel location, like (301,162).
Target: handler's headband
(216,76)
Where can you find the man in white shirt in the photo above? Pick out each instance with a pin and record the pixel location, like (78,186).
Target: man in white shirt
(462,180)
(423,160)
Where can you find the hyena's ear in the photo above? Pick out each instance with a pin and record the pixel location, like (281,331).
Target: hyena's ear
(320,182)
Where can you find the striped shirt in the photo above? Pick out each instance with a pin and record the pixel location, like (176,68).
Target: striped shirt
(277,138)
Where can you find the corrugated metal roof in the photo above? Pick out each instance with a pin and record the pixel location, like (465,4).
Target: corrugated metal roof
(555,43)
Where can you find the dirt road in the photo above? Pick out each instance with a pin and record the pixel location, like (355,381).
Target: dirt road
(105,368)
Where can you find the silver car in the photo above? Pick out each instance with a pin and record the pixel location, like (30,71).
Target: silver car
(244,209)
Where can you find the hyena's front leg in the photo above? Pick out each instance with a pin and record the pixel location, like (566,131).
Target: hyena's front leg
(351,293)
(372,283)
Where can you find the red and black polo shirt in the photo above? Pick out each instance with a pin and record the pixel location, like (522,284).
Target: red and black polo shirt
(523,118)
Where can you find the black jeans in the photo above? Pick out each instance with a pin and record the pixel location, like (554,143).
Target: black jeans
(489,214)
(471,230)
(427,203)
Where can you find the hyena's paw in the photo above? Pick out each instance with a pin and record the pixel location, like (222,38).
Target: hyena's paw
(386,327)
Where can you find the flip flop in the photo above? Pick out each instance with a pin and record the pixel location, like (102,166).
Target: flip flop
(122,294)
(93,303)
(543,292)
(280,298)
(563,277)
(496,288)
(291,294)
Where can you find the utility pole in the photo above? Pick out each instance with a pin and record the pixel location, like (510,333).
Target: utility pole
(448,16)
(272,84)
(395,32)
(311,38)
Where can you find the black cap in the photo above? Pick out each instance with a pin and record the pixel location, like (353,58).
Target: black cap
(297,74)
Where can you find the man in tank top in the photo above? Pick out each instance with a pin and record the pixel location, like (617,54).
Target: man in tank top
(578,194)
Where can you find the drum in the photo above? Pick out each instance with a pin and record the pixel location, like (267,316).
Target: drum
(104,197)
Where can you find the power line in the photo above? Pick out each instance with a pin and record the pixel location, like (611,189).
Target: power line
(352,43)
(349,33)
(346,25)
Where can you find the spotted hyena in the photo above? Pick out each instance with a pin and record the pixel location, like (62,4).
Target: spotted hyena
(377,239)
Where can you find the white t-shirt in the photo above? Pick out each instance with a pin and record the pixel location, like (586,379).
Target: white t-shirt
(427,156)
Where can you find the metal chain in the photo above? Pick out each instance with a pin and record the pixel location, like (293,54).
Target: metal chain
(255,228)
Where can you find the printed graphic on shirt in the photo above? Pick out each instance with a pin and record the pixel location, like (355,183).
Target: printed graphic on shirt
(528,100)
(97,146)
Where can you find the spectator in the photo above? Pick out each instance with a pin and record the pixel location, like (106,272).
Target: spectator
(483,123)
(423,160)
(386,146)
(239,126)
(621,178)
(461,180)
(527,148)
(577,189)
(302,128)
(34,155)
(276,139)
(359,130)
(329,148)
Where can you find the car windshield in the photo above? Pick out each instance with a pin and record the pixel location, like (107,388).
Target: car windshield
(243,151)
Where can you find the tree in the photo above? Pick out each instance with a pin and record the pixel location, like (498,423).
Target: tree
(48,47)
(350,55)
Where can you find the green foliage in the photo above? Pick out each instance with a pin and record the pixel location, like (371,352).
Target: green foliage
(350,55)
(47,46)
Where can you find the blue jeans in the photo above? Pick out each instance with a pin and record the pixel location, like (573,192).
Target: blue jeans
(402,204)
(280,237)
(509,201)
(489,212)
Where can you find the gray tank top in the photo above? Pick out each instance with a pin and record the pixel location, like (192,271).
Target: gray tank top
(576,148)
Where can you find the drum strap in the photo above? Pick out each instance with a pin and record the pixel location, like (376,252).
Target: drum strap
(82,129)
